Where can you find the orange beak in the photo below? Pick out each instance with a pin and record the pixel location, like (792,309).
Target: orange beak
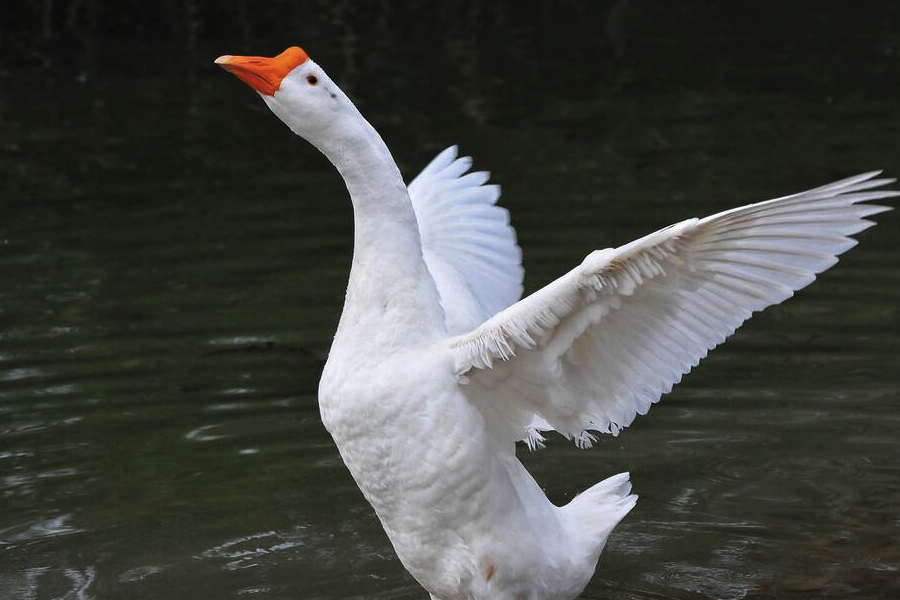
(261,73)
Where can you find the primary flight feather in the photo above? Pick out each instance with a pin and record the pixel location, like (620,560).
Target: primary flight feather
(437,368)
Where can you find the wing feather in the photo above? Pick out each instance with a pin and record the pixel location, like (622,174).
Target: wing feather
(601,344)
(468,243)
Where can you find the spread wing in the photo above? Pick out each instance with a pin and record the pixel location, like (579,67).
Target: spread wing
(467,242)
(599,345)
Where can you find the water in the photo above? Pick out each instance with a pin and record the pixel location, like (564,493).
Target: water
(173,263)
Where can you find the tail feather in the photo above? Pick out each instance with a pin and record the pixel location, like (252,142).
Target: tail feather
(596,511)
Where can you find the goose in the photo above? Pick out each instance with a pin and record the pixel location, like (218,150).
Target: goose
(438,368)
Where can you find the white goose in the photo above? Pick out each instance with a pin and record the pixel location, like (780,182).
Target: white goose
(438,369)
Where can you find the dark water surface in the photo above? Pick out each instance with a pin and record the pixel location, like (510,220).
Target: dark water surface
(173,262)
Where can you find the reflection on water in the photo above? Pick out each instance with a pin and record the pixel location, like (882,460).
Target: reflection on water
(174,261)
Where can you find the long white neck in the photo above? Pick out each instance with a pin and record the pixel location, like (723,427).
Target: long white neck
(391,297)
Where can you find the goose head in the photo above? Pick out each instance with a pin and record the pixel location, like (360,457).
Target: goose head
(296,89)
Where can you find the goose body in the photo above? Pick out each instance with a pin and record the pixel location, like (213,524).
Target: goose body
(437,368)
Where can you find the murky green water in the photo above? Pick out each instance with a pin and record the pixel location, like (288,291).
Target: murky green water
(173,261)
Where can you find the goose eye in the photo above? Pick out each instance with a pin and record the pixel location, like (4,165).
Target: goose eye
(312,79)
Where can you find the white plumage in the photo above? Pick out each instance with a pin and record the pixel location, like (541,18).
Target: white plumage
(467,241)
(602,343)
(437,370)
